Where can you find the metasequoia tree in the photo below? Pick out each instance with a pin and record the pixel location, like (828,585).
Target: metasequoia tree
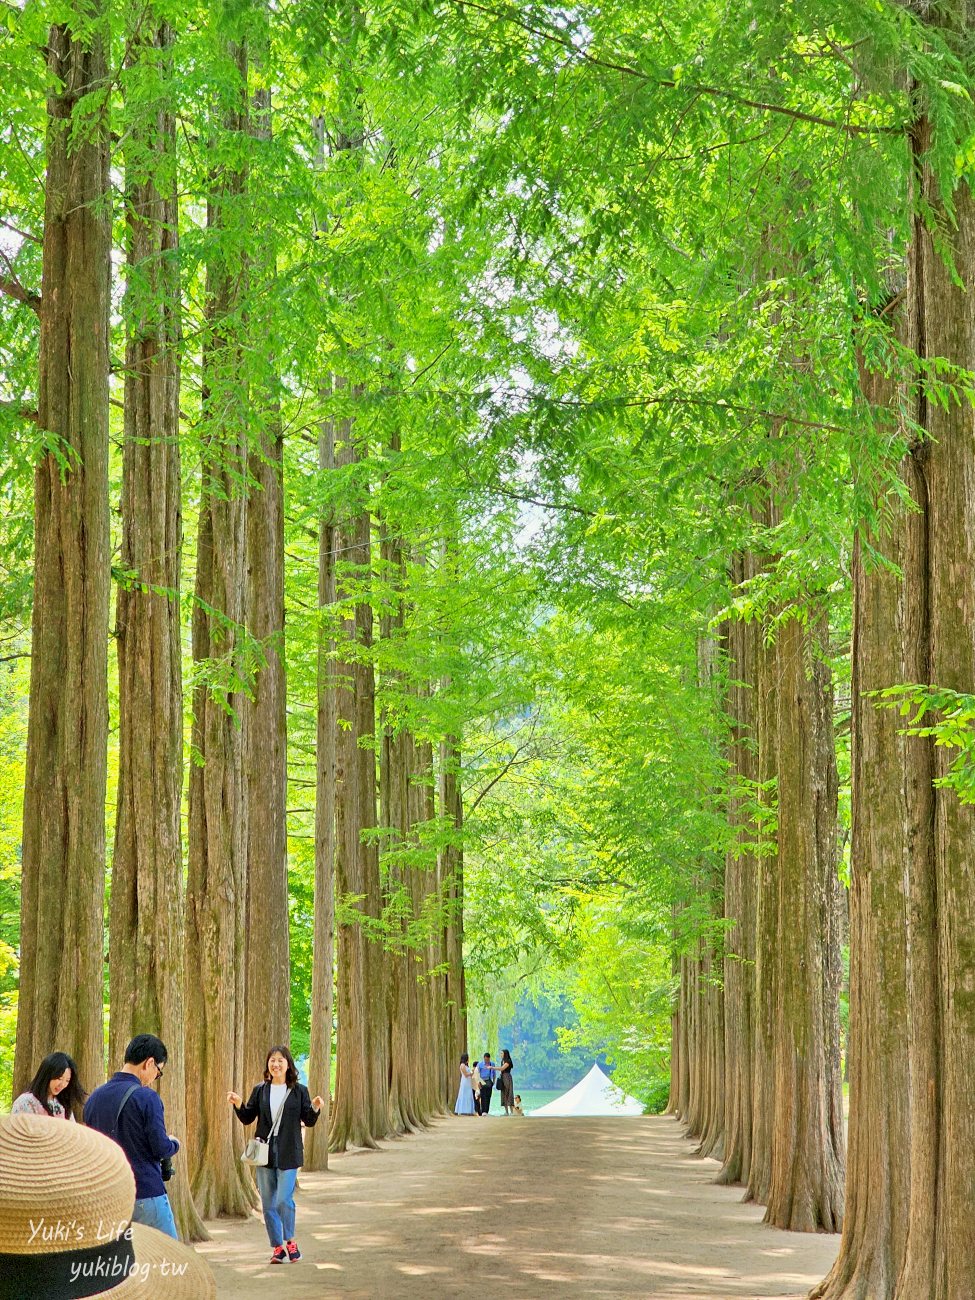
(397,774)
(806,1187)
(909,1229)
(267,1018)
(146,917)
(756,1032)
(759,1174)
(701,1097)
(63,856)
(890,915)
(741,869)
(323,942)
(360,1112)
(216,884)
(451,797)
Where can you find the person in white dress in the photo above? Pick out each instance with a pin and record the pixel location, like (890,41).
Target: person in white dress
(465,1093)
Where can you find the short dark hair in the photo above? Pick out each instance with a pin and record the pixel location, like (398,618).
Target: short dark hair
(487,1056)
(142,1047)
(52,1067)
(290,1074)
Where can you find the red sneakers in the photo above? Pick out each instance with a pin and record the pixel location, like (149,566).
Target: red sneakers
(294,1254)
(278,1255)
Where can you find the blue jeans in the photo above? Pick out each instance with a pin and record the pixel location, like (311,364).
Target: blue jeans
(277,1188)
(156,1212)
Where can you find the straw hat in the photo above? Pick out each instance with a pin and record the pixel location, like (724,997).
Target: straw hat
(66,1200)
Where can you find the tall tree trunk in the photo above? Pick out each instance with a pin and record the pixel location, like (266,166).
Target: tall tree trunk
(146,917)
(740,893)
(267,1005)
(893,804)
(403,994)
(63,864)
(397,772)
(428,902)
(913,905)
(323,949)
(217,804)
(714,1098)
(941,1235)
(767,934)
(361,1111)
(702,1007)
(452,874)
(701,998)
(806,1192)
(679,1099)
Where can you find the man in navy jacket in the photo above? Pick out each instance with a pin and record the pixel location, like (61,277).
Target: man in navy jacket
(130,1111)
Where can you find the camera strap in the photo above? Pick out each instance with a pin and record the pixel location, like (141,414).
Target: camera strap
(118,1114)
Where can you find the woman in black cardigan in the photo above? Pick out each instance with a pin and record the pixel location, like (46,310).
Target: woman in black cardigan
(280,1092)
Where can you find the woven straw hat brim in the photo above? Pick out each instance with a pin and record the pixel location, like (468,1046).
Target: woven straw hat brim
(55,1173)
(164,1270)
(63,1174)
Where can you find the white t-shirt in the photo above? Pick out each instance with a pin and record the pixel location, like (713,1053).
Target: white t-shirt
(278,1092)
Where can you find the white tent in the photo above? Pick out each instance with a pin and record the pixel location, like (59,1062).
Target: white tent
(596,1094)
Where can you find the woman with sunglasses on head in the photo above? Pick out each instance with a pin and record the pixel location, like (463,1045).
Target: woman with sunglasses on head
(54,1089)
(280,1105)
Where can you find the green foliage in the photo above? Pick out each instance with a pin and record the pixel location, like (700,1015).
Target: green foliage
(948,717)
(591,288)
(657,1095)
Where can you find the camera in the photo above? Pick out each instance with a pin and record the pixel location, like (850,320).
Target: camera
(166,1168)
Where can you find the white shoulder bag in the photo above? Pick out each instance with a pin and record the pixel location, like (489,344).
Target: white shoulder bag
(257,1150)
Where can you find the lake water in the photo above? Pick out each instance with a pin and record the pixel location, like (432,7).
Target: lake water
(532,1098)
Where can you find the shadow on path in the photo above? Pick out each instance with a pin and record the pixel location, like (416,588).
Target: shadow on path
(547,1207)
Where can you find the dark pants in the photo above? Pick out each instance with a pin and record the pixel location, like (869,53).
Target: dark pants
(486,1091)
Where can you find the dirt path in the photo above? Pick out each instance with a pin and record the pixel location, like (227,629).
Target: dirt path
(567,1208)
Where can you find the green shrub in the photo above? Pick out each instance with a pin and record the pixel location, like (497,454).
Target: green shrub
(657,1095)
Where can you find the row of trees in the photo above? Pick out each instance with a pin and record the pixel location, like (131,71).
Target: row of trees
(204,961)
(587,395)
(756,1034)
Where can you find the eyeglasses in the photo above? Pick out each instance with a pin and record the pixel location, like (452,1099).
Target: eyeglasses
(159,1069)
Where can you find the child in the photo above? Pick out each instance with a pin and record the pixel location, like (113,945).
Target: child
(476,1082)
(518,1110)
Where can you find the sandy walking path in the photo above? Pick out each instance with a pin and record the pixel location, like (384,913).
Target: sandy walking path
(547,1207)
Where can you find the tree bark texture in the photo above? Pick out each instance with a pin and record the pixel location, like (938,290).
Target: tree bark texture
(397,768)
(63,871)
(439,1073)
(452,872)
(267,1005)
(741,869)
(678,1101)
(216,884)
(890,909)
(146,924)
(702,1006)
(361,1111)
(767,935)
(323,949)
(913,1000)
(700,1100)
(806,1191)
(267,1014)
